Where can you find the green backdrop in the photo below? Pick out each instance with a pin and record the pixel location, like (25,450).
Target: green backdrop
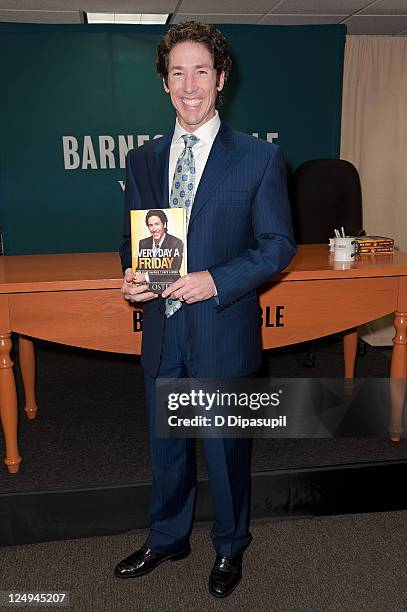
(73,97)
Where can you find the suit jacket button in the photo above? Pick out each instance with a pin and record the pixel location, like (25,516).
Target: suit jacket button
(161,309)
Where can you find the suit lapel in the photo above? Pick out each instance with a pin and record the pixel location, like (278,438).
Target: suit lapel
(223,155)
(158,170)
(165,242)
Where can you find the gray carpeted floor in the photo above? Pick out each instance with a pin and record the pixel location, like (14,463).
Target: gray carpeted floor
(352,563)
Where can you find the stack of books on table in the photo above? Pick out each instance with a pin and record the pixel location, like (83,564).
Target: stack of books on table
(375,244)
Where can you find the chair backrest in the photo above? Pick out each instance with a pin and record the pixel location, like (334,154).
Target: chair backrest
(325,194)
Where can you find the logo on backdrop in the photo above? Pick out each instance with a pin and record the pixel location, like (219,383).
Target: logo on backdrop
(269,316)
(108,152)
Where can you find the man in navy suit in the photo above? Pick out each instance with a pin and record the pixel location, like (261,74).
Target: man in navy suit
(206,324)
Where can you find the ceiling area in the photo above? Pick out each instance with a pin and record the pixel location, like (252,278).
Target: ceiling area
(380,17)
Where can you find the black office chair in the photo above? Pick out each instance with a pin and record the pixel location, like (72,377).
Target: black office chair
(325,194)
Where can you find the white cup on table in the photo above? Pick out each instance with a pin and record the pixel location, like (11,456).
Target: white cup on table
(345,249)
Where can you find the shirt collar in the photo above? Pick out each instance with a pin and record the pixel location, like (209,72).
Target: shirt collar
(158,246)
(206,133)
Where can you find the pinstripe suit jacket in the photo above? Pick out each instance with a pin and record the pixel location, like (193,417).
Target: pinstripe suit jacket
(240,230)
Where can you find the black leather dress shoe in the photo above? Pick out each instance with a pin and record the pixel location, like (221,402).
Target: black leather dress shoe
(225,575)
(144,561)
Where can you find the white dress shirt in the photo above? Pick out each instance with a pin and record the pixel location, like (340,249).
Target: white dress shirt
(158,246)
(155,251)
(206,134)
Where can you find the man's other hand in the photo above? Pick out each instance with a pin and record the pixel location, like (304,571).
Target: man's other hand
(134,293)
(194,287)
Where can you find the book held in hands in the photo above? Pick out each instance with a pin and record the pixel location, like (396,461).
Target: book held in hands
(158,247)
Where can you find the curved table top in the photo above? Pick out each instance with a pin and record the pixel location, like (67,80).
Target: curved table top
(80,271)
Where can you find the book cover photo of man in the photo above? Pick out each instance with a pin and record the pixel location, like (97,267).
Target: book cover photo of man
(160,256)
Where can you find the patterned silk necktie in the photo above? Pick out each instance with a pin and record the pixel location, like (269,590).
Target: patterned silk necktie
(182,195)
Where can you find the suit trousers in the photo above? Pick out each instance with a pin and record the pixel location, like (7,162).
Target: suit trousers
(173,464)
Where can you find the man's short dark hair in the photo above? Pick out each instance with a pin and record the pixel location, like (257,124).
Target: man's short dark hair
(195,31)
(157,213)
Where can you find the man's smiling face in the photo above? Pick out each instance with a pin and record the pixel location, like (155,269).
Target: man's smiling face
(157,228)
(192,84)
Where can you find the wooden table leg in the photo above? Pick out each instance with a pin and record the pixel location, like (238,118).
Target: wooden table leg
(27,367)
(398,371)
(350,345)
(8,405)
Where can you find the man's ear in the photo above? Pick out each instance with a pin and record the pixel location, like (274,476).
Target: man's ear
(165,87)
(221,81)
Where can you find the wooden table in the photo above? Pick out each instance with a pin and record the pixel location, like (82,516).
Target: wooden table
(74,299)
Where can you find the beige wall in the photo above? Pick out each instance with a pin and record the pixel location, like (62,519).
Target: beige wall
(374,138)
